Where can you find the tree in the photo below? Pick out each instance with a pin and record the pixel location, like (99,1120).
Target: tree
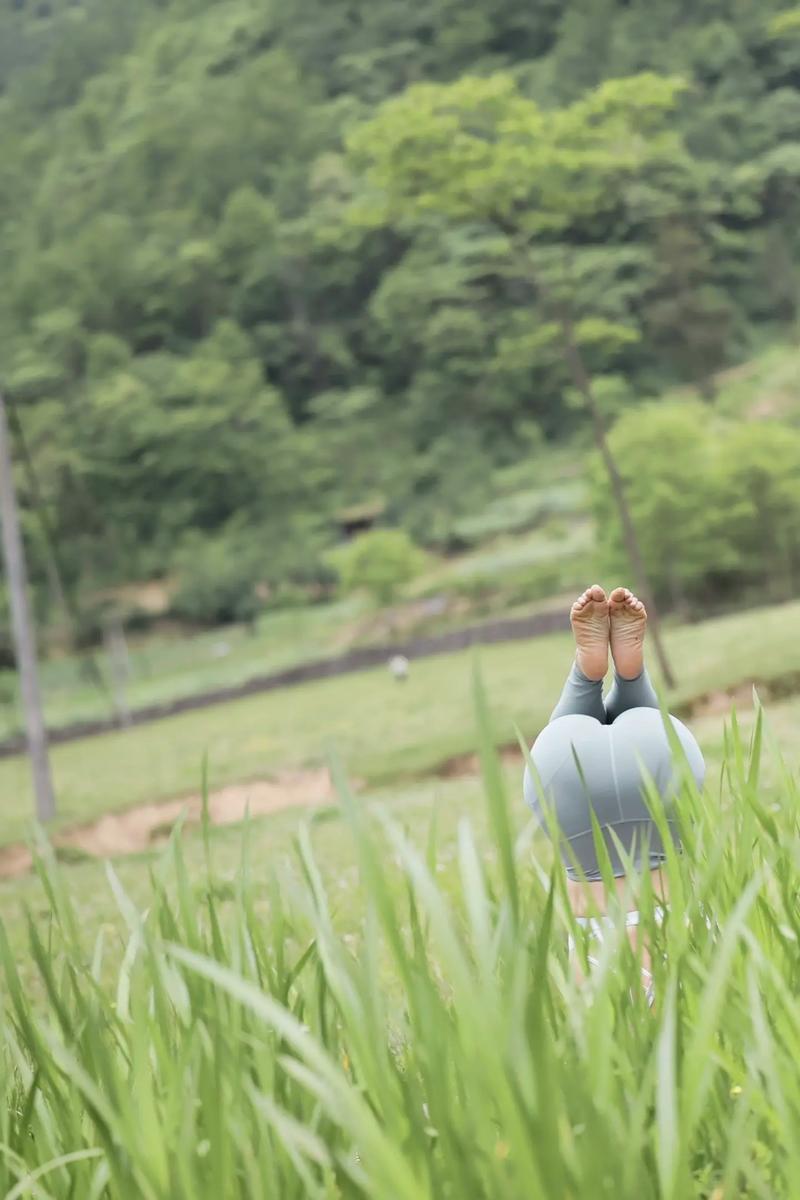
(760,496)
(171,167)
(687,317)
(667,457)
(479,150)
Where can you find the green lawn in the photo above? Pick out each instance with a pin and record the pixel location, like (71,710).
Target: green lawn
(380,731)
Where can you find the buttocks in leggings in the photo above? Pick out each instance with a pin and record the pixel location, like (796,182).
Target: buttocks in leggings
(593,756)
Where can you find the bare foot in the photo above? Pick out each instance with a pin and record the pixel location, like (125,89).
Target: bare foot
(589,617)
(627,622)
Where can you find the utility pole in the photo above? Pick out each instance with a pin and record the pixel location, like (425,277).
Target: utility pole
(120,668)
(22,629)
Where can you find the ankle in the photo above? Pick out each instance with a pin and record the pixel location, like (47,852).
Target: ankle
(591,671)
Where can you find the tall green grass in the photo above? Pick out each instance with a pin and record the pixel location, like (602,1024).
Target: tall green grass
(241,1044)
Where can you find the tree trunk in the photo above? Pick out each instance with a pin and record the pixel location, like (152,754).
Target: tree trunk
(23,631)
(580,377)
(583,383)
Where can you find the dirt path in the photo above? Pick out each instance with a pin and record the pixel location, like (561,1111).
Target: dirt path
(140,828)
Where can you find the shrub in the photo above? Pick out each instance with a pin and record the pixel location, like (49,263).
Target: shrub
(665,453)
(716,504)
(379,562)
(759,481)
(217,580)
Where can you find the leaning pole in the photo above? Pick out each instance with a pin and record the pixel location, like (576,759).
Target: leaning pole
(22,630)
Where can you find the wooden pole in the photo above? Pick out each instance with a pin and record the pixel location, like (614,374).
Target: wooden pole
(23,630)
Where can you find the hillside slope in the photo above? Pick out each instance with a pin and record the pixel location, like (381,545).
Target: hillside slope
(209,357)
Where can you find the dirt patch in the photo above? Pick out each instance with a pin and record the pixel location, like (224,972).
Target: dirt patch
(140,828)
(461,765)
(715,704)
(14,861)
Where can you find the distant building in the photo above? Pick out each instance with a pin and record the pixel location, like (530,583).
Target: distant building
(359,518)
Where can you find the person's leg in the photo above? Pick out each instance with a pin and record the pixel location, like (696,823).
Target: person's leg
(624,628)
(583,691)
(588,897)
(581,697)
(627,625)
(629,693)
(631,689)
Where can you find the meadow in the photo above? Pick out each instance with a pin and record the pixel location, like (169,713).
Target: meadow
(381,732)
(531,545)
(378,1004)
(372,999)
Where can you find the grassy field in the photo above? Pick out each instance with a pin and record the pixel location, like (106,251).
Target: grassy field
(271,848)
(386,1010)
(381,732)
(373,999)
(166,667)
(271,840)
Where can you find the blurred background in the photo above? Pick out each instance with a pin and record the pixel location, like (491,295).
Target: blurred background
(311,312)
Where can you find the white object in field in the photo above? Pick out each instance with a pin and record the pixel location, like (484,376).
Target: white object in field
(398,665)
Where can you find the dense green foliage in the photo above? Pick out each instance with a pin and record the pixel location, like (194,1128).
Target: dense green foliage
(212,329)
(379,562)
(717,503)
(428,1039)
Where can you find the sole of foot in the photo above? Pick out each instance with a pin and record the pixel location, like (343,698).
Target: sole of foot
(589,619)
(627,618)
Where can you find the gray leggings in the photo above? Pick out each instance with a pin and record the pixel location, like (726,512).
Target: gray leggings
(585,696)
(595,756)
